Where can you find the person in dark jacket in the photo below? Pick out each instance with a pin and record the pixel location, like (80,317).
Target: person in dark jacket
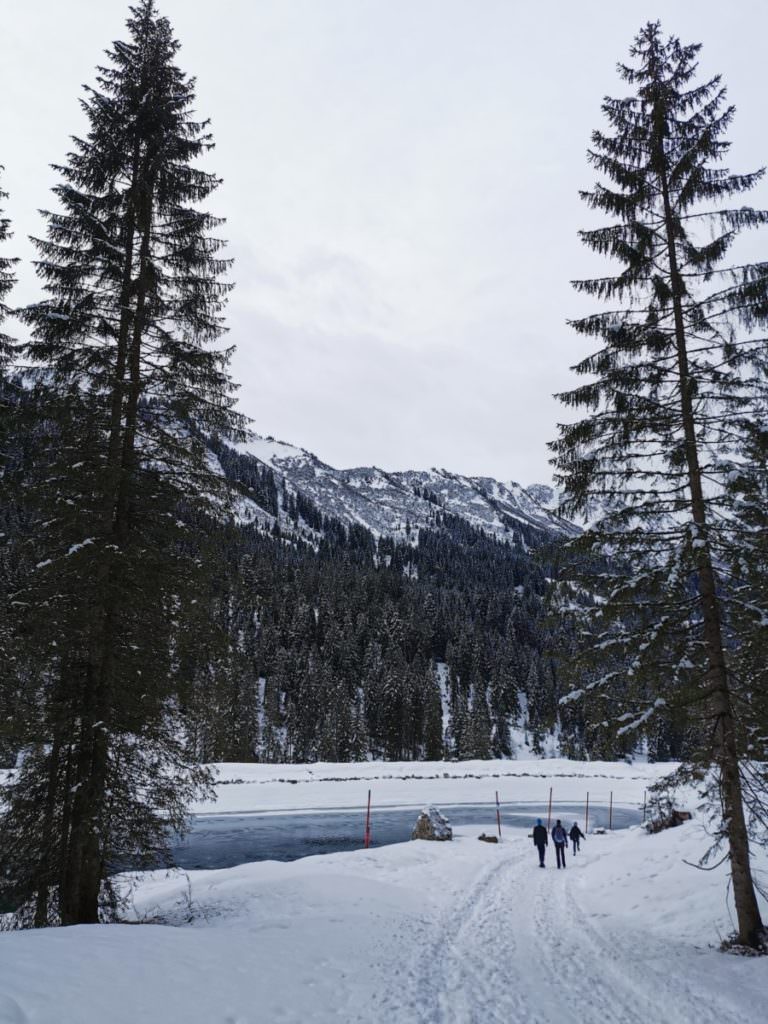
(540,840)
(576,835)
(559,838)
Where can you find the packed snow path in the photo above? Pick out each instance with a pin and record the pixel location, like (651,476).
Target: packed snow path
(459,932)
(520,946)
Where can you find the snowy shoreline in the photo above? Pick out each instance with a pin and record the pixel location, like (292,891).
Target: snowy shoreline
(243,788)
(412,933)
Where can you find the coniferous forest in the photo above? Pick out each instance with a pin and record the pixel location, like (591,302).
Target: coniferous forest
(330,644)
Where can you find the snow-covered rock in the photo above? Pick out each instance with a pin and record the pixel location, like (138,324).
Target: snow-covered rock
(431,824)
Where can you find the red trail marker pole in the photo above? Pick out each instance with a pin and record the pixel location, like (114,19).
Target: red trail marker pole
(586,816)
(549,809)
(498,813)
(367,839)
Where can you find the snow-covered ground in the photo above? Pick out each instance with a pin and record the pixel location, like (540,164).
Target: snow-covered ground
(416,933)
(286,787)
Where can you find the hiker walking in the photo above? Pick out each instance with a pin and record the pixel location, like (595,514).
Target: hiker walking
(540,840)
(560,838)
(576,835)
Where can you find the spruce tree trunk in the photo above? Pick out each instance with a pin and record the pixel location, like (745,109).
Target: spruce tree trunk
(75,906)
(84,873)
(127,479)
(750,926)
(80,880)
(91,870)
(121,353)
(66,817)
(43,892)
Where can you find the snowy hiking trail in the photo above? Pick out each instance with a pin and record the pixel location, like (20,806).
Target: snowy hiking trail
(519,948)
(461,932)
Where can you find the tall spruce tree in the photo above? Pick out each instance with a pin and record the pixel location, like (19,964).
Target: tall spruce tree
(7,412)
(7,281)
(747,567)
(679,372)
(131,377)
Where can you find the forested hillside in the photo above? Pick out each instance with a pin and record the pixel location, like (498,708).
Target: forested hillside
(308,638)
(347,645)
(311,639)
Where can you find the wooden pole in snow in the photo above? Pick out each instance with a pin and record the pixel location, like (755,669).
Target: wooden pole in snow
(368,823)
(586,816)
(610,813)
(498,813)
(645,798)
(549,810)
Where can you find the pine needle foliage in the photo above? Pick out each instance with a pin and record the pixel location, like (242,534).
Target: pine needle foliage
(667,404)
(129,376)
(7,281)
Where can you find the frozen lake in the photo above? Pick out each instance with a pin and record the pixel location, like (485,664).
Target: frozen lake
(226,840)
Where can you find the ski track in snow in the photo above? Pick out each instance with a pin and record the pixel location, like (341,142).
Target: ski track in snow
(481,967)
(415,933)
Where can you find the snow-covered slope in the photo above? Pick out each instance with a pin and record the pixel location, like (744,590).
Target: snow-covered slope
(401,503)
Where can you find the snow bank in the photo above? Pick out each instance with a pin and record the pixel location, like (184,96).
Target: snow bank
(322,786)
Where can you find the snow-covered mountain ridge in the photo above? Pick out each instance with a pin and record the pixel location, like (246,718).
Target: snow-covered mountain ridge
(400,503)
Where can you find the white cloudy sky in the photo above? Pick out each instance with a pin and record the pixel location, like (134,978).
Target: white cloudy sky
(400,186)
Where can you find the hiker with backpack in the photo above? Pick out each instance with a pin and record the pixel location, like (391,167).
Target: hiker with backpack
(540,840)
(560,839)
(576,835)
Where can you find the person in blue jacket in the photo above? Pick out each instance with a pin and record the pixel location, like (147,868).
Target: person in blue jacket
(559,838)
(540,840)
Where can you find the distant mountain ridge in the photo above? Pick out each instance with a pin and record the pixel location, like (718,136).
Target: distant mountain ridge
(398,504)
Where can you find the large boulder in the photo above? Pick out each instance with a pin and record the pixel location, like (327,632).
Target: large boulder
(432,825)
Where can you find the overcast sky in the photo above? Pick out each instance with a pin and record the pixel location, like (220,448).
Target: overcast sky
(400,186)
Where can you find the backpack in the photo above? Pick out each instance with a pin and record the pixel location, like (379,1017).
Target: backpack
(558,834)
